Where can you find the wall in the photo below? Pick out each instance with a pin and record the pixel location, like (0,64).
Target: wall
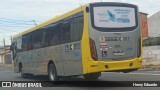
(144,24)
(8,58)
(154,25)
(0,59)
(151,55)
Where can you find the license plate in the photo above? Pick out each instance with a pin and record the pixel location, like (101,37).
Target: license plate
(118,53)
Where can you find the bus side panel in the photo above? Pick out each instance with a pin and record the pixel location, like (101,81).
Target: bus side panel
(42,61)
(15,54)
(47,54)
(16,64)
(71,56)
(53,53)
(38,58)
(36,61)
(26,59)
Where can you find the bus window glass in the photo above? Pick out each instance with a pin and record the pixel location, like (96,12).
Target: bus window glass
(37,39)
(66,37)
(29,41)
(54,34)
(19,44)
(44,38)
(24,42)
(78,28)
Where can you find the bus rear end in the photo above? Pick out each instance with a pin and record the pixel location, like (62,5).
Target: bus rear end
(114,38)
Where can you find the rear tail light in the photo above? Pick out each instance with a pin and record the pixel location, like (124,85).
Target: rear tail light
(93,49)
(139,47)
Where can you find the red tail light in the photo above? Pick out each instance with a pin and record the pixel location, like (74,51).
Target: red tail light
(93,49)
(139,48)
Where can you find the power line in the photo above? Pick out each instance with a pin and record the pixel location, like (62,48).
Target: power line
(4,35)
(24,26)
(18,20)
(15,22)
(7,30)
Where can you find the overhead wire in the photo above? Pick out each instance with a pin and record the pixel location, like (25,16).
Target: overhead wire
(14,22)
(18,20)
(8,30)
(14,26)
(5,24)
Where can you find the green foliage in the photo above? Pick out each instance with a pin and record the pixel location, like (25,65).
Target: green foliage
(151,41)
(158,41)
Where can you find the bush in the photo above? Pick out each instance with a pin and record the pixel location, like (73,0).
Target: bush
(151,41)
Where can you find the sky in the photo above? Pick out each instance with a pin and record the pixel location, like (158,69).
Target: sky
(19,15)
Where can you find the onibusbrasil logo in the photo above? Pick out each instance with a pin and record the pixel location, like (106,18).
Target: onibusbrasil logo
(21,84)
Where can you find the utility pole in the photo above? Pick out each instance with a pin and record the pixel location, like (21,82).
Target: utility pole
(34,22)
(11,51)
(80,4)
(4,59)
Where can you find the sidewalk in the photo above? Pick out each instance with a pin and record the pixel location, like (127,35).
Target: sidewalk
(7,65)
(4,67)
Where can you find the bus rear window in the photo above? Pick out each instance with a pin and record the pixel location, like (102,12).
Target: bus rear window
(114,17)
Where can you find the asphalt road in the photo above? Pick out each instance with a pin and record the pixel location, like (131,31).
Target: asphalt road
(7,74)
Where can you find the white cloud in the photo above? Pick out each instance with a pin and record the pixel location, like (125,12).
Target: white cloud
(41,10)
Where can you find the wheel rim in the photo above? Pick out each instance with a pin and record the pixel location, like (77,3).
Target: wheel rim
(21,70)
(52,75)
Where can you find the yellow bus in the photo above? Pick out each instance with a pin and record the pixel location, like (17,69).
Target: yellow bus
(94,38)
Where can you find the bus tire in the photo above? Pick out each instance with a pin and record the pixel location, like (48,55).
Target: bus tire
(20,70)
(92,76)
(52,73)
(23,75)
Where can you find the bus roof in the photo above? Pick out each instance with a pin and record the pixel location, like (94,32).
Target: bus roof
(54,19)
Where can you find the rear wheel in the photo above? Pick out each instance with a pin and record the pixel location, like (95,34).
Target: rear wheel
(92,76)
(23,75)
(52,73)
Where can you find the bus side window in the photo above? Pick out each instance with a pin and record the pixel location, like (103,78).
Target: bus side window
(29,42)
(78,28)
(24,42)
(55,34)
(19,44)
(65,32)
(14,49)
(44,38)
(49,36)
(37,39)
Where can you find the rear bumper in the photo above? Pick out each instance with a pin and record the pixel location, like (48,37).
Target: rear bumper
(106,66)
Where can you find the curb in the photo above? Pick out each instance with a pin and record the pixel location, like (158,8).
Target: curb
(7,65)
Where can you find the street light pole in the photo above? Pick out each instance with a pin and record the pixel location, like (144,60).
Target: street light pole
(11,50)
(4,59)
(34,22)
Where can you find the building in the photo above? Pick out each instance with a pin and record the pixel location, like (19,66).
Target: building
(1,54)
(144,25)
(154,25)
(5,56)
(1,58)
